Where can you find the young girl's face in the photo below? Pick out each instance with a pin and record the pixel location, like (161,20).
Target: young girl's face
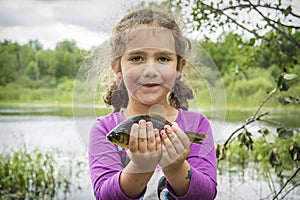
(149,65)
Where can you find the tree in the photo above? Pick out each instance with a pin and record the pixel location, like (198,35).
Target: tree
(254,18)
(67,59)
(9,62)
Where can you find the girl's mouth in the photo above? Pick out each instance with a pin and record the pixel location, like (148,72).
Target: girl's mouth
(150,85)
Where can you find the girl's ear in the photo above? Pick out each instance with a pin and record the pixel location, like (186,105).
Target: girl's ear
(181,64)
(115,66)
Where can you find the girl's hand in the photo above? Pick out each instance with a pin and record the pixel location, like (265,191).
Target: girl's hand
(175,147)
(144,147)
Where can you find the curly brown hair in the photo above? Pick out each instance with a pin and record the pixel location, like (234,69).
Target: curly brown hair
(116,94)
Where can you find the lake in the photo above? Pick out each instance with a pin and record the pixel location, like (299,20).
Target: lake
(47,127)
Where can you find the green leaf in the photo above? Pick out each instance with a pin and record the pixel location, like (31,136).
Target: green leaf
(245,138)
(278,169)
(252,41)
(284,86)
(295,152)
(274,158)
(289,76)
(282,100)
(284,132)
(280,81)
(220,152)
(264,131)
(288,99)
(270,138)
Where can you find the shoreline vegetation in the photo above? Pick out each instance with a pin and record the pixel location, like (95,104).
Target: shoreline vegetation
(37,174)
(21,96)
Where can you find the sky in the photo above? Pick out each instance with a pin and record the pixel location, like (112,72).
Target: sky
(51,21)
(88,22)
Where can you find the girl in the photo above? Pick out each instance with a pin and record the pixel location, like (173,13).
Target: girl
(148,54)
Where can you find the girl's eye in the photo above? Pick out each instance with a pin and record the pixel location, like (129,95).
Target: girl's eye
(137,59)
(163,59)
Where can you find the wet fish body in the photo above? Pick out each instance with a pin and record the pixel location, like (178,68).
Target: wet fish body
(120,134)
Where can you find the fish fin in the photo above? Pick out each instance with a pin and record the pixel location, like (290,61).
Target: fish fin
(196,137)
(158,117)
(161,118)
(168,123)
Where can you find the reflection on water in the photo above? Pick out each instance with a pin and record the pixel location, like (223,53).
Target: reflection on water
(54,127)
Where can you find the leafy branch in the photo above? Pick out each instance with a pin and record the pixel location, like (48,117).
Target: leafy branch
(275,16)
(245,137)
(282,86)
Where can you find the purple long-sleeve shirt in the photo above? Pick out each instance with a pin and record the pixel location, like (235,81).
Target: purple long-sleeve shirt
(105,159)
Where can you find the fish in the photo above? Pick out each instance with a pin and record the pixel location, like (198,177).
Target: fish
(121,133)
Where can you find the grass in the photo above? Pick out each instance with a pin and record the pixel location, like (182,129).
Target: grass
(35,174)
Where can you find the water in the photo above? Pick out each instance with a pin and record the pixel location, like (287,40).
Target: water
(48,127)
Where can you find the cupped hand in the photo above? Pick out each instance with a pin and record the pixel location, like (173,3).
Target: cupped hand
(144,147)
(175,147)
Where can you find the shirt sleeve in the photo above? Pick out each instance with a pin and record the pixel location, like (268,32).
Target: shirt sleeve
(105,165)
(202,160)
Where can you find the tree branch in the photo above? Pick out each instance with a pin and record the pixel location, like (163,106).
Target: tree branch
(217,10)
(221,12)
(248,121)
(264,101)
(298,184)
(285,184)
(278,9)
(268,20)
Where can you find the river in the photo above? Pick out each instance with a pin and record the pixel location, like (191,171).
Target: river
(48,127)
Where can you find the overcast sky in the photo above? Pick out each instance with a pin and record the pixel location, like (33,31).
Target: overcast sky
(51,21)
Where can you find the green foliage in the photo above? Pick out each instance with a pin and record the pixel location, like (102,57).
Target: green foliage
(247,88)
(35,175)
(225,52)
(28,63)
(14,93)
(46,75)
(283,153)
(281,18)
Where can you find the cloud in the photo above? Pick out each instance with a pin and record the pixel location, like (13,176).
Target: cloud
(51,21)
(50,34)
(92,14)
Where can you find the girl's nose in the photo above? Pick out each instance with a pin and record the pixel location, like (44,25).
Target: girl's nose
(150,70)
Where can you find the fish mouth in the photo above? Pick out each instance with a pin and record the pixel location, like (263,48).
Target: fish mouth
(110,138)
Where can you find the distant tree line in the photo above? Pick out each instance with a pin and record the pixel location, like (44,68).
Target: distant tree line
(32,66)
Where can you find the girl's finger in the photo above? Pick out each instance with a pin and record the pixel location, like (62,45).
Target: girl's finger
(151,137)
(133,139)
(165,157)
(157,140)
(142,141)
(181,135)
(168,144)
(175,140)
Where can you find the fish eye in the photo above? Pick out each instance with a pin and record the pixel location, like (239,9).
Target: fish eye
(117,136)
